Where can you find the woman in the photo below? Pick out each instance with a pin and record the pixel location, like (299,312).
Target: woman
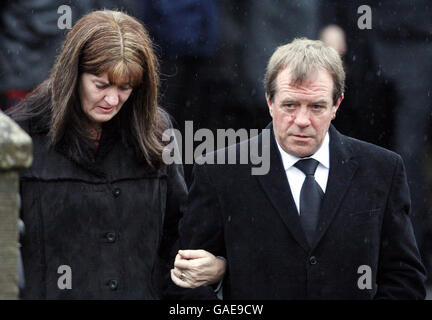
(100,207)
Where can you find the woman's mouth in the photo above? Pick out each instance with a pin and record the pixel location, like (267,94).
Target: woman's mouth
(105,109)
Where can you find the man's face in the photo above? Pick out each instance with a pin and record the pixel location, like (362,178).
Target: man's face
(302,114)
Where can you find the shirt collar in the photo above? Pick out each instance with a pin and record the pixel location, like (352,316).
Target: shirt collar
(322,155)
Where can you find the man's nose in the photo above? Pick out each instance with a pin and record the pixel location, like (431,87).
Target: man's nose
(112,97)
(302,117)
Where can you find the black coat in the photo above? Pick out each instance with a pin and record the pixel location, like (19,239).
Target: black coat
(113,222)
(254,223)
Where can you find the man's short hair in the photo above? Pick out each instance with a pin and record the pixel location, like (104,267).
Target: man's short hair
(304,57)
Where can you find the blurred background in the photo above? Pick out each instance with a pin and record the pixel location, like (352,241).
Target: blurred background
(213,56)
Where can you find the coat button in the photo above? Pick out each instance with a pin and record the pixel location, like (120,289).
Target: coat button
(111,237)
(313,260)
(116,192)
(113,284)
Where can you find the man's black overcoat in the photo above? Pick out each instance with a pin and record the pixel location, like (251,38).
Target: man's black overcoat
(364,226)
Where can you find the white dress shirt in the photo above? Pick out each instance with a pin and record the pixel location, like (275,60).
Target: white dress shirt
(296,177)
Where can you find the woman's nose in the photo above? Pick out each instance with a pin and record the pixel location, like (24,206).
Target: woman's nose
(112,97)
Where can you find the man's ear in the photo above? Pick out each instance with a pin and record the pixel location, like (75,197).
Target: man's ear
(269,104)
(336,106)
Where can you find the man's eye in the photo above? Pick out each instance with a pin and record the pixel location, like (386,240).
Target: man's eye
(317,107)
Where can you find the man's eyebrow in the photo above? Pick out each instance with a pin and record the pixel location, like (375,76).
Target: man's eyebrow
(320,102)
(288,100)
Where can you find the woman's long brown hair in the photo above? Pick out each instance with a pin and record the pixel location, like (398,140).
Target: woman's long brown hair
(116,43)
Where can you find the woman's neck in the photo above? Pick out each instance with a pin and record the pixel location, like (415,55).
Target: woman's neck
(95,131)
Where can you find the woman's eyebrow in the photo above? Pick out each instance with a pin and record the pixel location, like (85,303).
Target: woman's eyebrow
(101,81)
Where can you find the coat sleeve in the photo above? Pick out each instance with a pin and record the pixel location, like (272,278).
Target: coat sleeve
(200,228)
(202,225)
(175,202)
(401,274)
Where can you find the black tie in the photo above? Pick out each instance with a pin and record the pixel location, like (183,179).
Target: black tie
(311,195)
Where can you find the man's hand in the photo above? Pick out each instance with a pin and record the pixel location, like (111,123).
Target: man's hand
(195,268)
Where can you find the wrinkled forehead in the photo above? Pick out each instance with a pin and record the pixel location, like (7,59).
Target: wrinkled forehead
(316,82)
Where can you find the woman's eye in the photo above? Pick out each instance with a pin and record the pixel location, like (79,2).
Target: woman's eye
(101,86)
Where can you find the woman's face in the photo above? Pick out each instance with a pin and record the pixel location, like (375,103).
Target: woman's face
(101,100)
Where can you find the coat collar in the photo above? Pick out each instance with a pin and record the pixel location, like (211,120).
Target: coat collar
(115,160)
(277,189)
(342,169)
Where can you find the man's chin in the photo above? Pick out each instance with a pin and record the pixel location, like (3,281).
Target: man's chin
(301,151)
(304,155)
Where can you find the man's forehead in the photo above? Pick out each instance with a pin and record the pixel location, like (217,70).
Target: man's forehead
(317,74)
(318,82)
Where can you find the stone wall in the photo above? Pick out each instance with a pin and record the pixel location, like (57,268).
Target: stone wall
(15,154)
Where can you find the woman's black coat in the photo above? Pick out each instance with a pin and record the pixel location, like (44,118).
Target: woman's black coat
(113,223)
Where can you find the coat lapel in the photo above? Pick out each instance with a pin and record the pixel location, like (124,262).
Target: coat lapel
(342,169)
(276,187)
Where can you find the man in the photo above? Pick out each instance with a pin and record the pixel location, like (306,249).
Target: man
(337,230)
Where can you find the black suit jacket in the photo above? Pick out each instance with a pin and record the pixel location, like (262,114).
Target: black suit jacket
(254,223)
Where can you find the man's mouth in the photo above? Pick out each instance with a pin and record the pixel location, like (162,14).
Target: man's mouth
(300,136)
